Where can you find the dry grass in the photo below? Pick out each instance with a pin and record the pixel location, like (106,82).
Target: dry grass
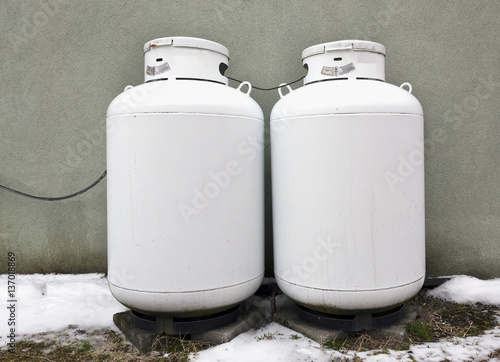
(108,346)
(437,319)
(495,354)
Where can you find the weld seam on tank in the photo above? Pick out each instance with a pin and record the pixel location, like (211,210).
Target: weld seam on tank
(191,291)
(356,290)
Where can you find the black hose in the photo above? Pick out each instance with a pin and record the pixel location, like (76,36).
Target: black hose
(56,198)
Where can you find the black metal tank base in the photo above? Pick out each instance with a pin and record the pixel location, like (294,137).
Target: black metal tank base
(351,323)
(186,326)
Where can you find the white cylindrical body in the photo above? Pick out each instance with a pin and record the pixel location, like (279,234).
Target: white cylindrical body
(348,184)
(185,186)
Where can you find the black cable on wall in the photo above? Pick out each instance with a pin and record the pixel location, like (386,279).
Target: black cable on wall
(59,198)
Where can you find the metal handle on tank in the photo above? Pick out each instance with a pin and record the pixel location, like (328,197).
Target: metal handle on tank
(283,85)
(247,84)
(406,84)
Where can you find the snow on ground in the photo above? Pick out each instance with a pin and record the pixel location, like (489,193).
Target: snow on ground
(277,343)
(270,343)
(465,289)
(53,302)
(56,303)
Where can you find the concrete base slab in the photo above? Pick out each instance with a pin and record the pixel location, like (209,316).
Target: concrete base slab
(397,331)
(143,340)
(140,338)
(289,318)
(252,318)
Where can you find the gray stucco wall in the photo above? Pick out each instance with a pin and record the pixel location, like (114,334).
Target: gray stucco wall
(63,61)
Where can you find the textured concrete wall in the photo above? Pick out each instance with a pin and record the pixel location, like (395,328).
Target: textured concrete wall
(63,61)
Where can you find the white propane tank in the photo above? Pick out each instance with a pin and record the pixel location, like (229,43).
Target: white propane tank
(348,184)
(185,187)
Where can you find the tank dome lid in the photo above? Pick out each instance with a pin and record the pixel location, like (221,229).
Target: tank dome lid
(360,45)
(345,59)
(180,57)
(187,42)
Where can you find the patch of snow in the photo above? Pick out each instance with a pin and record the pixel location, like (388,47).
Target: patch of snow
(459,349)
(465,289)
(55,301)
(273,342)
